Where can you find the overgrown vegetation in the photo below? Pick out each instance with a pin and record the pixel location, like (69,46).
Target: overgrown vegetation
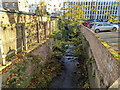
(18,72)
(68,34)
(48,71)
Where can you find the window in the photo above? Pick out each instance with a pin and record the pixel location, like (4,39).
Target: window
(6,5)
(0,4)
(107,25)
(13,5)
(104,3)
(99,24)
(98,3)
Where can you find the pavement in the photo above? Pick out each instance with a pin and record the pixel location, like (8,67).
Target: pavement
(111,38)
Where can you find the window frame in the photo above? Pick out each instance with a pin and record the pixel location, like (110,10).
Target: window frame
(13,5)
(6,5)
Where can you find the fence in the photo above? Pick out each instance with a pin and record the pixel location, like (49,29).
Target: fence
(19,31)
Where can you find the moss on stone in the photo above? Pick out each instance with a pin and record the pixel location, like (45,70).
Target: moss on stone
(112,51)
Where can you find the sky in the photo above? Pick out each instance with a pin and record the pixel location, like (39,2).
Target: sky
(55,1)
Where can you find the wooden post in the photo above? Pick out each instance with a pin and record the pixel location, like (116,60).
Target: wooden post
(24,37)
(2,56)
(38,33)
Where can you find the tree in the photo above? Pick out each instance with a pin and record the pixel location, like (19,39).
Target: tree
(41,9)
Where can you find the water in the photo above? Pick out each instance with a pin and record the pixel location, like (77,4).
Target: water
(70,77)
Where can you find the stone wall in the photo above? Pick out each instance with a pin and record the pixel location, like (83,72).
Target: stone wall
(33,68)
(106,66)
(12,18)
(18,31)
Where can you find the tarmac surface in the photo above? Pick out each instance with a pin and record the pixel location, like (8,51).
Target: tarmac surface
(111,38)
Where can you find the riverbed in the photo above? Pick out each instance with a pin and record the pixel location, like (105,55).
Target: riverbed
(74,73)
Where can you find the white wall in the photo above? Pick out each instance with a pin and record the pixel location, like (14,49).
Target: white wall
(23,5)
(119,10)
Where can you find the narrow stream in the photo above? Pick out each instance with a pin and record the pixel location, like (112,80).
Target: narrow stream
(73,74)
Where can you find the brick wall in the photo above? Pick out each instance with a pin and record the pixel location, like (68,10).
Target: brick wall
(107,66)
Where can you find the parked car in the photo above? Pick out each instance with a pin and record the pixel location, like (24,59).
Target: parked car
(86,24)
(104,26)
(94,23)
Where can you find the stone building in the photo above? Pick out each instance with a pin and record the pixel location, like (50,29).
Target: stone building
(0,3)
(18,5)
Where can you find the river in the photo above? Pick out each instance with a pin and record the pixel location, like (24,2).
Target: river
(73,75)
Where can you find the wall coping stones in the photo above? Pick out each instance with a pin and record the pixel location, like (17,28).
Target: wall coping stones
(28,51)
(109,48)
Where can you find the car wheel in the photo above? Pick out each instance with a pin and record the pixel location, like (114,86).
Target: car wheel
(97,31)
(114,29)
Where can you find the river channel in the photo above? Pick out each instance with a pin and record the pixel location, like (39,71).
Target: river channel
(73,75)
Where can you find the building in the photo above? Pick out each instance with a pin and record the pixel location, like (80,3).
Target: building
(33,5)
(53,7)
(23,5)
(0,3)
(18,5)
(102,6)
(119,11)
(32,8)
(10,4)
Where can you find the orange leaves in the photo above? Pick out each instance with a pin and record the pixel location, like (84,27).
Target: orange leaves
(85,6)
(76,6)
(53,68)
(21,76)
(94,6)
(39,78)
(106,13)
(47,73)
(72,7)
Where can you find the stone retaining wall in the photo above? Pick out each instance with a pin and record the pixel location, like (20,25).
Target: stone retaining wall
(45,51)
(18,31)
(106,66)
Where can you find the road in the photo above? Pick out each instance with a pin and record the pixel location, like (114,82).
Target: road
(112,38)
